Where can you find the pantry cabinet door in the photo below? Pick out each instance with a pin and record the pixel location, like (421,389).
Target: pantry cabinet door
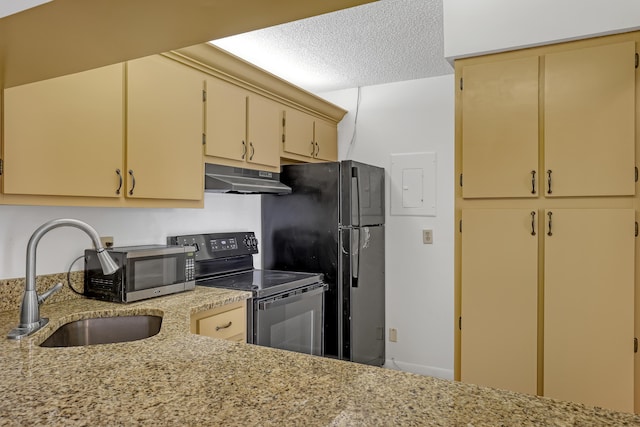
(589,306)
(589,121)
(64,136)
(499,298)
(164,130)
(500,129)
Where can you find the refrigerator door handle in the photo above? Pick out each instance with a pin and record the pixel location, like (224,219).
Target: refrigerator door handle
(355,256)
(355,178)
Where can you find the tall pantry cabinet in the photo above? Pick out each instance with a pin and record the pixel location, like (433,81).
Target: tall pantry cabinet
(546,201)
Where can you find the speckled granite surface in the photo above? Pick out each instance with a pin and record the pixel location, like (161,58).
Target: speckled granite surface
(11,290)
(179,379)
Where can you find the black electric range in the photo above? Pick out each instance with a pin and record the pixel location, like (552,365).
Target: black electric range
(287,307)
(225,260)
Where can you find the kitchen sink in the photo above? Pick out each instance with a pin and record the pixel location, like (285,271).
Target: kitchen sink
(104,330)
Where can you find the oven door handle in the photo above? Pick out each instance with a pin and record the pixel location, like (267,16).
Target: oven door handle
(277,302)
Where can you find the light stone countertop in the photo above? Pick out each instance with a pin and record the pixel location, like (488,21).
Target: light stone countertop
(179,379)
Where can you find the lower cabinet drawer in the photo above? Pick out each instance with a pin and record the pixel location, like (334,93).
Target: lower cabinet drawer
(228,322)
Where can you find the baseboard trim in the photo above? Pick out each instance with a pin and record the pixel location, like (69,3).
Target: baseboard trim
(431,371)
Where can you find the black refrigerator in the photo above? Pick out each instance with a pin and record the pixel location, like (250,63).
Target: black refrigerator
(333,223)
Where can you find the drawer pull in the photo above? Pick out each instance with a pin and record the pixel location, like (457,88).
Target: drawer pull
(223,327)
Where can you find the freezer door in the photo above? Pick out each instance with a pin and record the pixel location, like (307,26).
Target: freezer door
(363,292)
(362,194)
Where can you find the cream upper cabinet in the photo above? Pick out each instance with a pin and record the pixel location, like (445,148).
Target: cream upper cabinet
(64,136)
(326,139)
(297,135)
(242,128)
(500,128)
(589,306)
(164,130)
(589,121)
(499,298)
(263,131)
(226,120)
(305,137)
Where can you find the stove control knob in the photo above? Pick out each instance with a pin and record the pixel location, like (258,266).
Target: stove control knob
(251,242)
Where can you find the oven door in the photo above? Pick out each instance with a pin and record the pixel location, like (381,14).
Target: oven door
(291,321)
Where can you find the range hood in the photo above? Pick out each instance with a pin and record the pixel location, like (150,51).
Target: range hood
(226,179)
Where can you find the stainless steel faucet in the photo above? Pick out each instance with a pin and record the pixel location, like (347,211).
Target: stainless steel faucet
(30,320)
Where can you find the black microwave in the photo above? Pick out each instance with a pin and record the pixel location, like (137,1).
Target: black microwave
(145,272)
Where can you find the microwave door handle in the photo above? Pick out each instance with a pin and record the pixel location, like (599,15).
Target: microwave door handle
(355,256)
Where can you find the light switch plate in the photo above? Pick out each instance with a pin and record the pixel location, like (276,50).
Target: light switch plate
(393,334)
(427,237)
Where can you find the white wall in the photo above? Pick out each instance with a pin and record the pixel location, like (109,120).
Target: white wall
(222,212)
(473,27)
(407,117)
(9,7)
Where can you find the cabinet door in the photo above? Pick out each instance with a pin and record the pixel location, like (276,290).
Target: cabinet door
(298,133)
(226,120)
(164,130)
(589,121)
(589,306)
(64,136)
(326,138)
(500,129)
(264,136)
(499,298)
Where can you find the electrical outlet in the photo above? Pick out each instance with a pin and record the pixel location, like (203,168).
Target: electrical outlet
(393,335)
(427,237)
(107,241)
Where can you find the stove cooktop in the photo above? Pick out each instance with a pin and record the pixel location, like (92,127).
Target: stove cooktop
(262,283)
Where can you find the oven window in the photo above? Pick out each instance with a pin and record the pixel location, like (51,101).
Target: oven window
(153,272)
(296,333)
(290,322)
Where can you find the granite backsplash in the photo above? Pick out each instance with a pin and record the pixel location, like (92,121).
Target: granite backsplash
(11,290)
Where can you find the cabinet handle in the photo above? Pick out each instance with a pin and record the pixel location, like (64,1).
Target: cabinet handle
(313,148)
(223,327)
(533,223)
(549,233)
(549,181)
(533,182)
(133,182)
(244,149)
(253,151)
(120,178)
(317,151)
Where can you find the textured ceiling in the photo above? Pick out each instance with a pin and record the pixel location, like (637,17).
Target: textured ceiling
(382,42)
